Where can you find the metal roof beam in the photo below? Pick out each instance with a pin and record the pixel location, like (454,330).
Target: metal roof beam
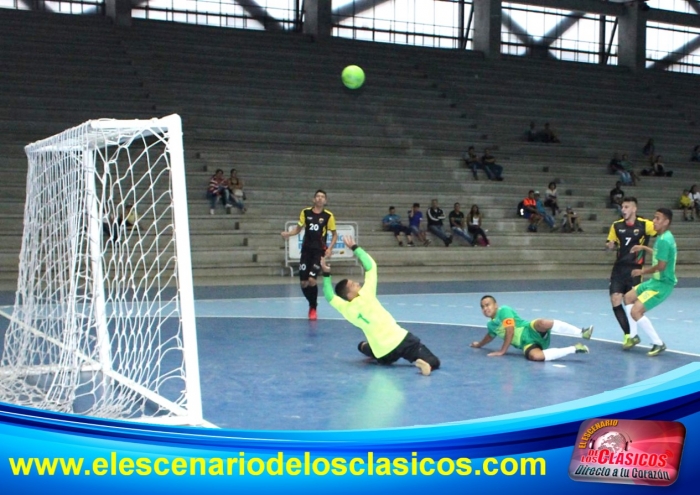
(677,55)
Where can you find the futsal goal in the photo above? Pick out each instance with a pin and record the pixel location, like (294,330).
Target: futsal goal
(103,322)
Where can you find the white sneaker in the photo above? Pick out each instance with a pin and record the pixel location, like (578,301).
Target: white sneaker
(211,211)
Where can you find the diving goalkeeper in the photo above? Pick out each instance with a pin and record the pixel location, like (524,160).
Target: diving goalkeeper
(386,340)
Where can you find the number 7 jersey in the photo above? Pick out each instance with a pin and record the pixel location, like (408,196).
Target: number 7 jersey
(626,236)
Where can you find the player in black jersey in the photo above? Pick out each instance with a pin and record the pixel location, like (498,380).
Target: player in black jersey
(315,222)
(624,234)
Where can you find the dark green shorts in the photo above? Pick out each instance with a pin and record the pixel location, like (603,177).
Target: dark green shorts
(532,337)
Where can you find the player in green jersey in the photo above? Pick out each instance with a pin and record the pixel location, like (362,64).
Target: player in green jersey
(533,337)
(386,341)
(656,290)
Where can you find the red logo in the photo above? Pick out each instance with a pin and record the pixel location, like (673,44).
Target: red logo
(626,451)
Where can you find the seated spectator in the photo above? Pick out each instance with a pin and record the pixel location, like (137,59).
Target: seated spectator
(492,169)
(110,227)
(218,190)
(570,222)
(695,157)
(458,225)
(531,134)
(695,196)
(615,167)
(548,135)
(686,204)
(530,211)
(649,149)
(542,210)
(657,169)
(550,198)
(415,216)
(474,225)
(392,223)
(115,227)
(130,219)
(472,161)
(627,165)
(236,193)
(435,218)
(616,195)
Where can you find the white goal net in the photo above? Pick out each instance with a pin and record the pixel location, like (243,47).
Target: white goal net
(103,322)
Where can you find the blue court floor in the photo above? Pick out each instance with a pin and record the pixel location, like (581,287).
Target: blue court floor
(265,366)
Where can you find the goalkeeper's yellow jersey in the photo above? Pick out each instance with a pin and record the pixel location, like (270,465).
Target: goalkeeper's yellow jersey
(366,312)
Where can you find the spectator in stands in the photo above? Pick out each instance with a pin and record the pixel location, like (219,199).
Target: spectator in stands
(218,190)
(548,135)
(695,156)
(474,225)
(236,193)
(492,169)
(531,134)
(542,210)
(110,227)
(472,161)
(695,196)
(458,225)
(657,169)
(550,198)
(616,195)
(686,204)
(649,149)
(415,216)
(130,220)
(530,211)
(570,222)
(627,165)
(435,217)
(115,227)
(392,222)
(615,167)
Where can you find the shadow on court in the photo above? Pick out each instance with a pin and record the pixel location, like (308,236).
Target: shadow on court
(289,374)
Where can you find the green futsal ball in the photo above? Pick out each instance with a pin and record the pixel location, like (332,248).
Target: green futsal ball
(353,77)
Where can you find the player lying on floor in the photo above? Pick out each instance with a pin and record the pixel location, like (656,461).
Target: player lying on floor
(531,336)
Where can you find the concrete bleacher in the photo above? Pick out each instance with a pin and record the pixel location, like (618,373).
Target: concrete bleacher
(272,106)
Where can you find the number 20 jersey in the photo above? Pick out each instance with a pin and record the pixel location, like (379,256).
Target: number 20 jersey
(316,227)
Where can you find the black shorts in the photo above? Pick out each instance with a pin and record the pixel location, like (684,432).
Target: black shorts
(622,281)
(410,348)
(397,229)
(310,263)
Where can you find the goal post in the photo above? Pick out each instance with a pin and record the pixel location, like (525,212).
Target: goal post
(103,322)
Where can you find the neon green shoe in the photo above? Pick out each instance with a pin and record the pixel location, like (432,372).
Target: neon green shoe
(630,342)
(581,349)
(587,332)
(656,350)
